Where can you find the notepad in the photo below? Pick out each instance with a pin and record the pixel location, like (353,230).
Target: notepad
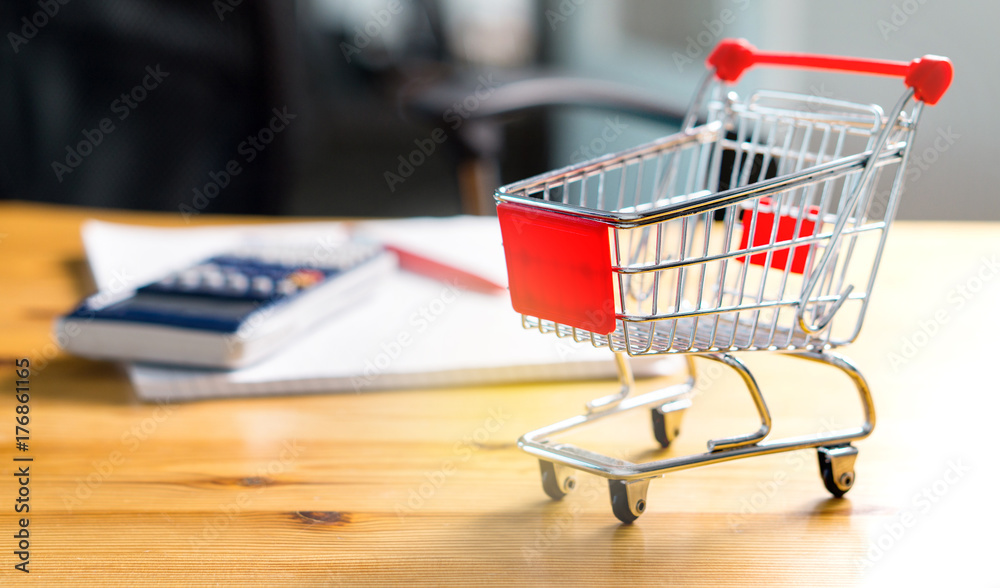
(413,332)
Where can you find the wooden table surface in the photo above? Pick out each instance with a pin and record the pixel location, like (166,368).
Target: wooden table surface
(428,487)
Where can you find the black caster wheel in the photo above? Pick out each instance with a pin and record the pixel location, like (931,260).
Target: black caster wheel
(667,421)
(628,499)
(555,481)
(836,467)
(663,436)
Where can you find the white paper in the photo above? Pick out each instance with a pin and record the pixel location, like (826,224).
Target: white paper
(413,332)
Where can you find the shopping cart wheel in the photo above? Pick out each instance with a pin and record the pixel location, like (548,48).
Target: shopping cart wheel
(667,421)
(556,479)
(628,499)
(836,466)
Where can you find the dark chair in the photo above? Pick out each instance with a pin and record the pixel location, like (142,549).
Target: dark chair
(481,135)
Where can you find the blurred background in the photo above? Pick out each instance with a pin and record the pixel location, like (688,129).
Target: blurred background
(409,107)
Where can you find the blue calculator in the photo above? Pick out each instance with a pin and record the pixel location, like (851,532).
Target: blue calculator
(227,311)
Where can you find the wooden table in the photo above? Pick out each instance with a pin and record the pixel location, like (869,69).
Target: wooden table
(428,487)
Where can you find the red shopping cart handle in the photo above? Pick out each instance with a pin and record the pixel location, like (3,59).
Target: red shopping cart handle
(929,76)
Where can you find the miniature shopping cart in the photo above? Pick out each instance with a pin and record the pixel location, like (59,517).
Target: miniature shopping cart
(759,230)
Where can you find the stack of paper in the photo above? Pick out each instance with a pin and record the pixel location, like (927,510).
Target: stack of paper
(413,332)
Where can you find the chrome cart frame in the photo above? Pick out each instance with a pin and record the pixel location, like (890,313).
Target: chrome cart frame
(760,230)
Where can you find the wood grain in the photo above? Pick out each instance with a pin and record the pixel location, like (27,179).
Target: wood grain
(427,488)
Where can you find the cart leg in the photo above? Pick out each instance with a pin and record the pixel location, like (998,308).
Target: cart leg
(836,467)
(836,462)
(628,498)
(667,417)
(864,392)
(758,401)
(627,384)
(556,479)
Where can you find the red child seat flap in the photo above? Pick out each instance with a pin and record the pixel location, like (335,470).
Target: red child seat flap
(558,267)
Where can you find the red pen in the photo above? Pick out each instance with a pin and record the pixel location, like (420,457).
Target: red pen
(434,269)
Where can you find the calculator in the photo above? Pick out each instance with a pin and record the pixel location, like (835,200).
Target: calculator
(229,310)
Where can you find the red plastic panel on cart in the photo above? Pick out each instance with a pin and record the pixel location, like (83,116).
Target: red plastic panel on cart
(558,267)
(786,229)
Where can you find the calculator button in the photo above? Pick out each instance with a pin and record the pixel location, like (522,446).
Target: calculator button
(168,281)
(306,278)
(214,279)
(190,279)
(237,282)
(262,285)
